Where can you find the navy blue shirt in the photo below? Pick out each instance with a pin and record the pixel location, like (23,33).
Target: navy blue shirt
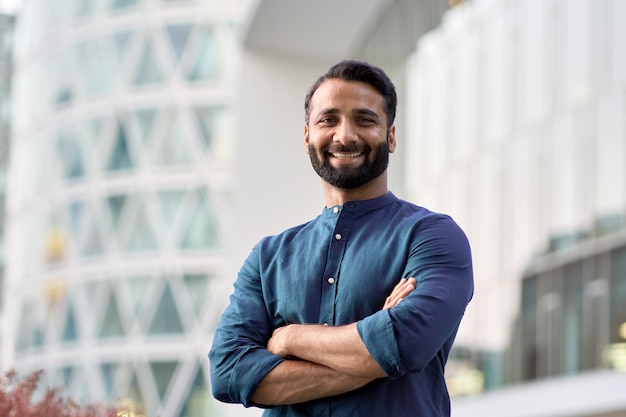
(338,269)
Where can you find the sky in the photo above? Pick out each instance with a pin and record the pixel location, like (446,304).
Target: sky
(9,6)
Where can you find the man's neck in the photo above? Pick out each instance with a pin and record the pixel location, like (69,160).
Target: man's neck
(334,196)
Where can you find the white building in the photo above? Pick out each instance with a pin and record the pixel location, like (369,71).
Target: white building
(118,216)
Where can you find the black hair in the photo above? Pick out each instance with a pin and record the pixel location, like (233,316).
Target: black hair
(353,70)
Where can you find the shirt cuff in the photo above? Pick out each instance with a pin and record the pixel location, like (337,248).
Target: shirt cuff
(377,333)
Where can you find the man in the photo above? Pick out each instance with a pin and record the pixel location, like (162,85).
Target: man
(353,313)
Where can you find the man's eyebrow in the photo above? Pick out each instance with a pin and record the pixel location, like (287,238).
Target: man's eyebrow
(367,112)
(326,112)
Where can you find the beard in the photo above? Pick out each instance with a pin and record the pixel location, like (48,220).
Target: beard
(376,161)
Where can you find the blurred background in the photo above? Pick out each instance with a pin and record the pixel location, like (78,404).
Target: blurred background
(146,145)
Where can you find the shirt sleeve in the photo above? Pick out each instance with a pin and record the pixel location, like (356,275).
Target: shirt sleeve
(407,337)
(238,356)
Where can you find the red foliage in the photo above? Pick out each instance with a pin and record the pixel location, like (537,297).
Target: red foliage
(16,400)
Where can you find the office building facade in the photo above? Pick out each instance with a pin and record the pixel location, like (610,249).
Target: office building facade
(118,213)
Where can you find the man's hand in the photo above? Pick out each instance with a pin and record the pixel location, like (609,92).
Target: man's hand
(279,342)
(401,290)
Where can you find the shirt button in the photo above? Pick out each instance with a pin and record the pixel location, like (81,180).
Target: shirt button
(331,280)
(336,210)
(338,236)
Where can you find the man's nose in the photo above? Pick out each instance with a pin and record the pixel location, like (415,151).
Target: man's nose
(346,133)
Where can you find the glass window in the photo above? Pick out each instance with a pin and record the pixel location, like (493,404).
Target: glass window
(115,204)
(197,285)
(138,288)
(173,148)
(166,319)
(178,35)
(618,294)
(198,402)
(169,203)
(70,333)
(96,72)
(208,118)
(141,237)
(206,65)
(529,328)
(120,158)
(123,4)
(135,396)
(149,71)
(144,119)
(162,373)
(70,153)
(201,232)
(93,244)
(572,318)
(112,322)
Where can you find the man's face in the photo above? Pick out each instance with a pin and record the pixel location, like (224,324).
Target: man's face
(347,136)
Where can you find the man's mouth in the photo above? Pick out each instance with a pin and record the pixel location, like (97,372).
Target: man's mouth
(346,155)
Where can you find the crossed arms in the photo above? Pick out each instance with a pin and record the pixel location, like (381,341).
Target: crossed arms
(321,361)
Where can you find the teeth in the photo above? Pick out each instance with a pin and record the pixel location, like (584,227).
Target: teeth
(346,155)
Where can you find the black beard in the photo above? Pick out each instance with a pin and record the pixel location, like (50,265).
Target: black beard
(348,178)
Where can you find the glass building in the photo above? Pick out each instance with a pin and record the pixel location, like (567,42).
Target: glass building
(118,214)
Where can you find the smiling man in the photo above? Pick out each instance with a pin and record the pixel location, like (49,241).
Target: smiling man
(353,313)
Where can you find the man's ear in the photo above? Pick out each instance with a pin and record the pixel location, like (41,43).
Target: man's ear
(391,139)
(306,138)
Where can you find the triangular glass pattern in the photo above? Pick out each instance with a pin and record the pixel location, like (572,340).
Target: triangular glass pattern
(138,288)
(115,204)
(122,4)
(69,328)
(178,35)
(170,202)
(135,395)
(122,41)
(166,319)
(197,285)
(93,245)
(149,71)
(70,154)
(206,66)
(74,214)
(197,403)
(119,158)
(173,149)
(201,231)
(144,119)
(29,326)
(162,373)
(112,321)
(208,117)
(108,376)
(141,237)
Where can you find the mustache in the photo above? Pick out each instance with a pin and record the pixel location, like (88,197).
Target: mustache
(336,148)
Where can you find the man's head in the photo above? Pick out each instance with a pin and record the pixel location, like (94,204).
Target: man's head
(349,129)
(352,70)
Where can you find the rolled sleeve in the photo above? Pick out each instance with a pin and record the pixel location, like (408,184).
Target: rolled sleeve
(238,357)
(407,337)
(377,333)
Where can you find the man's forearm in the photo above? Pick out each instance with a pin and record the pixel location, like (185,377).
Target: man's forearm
(336,347)
(340,348)
(293,382)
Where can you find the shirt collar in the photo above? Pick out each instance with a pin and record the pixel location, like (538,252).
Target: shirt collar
(361,205)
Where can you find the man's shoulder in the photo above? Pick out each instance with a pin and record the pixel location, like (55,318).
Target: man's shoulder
(289,234)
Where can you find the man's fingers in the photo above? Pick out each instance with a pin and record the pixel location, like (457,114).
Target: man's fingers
(401,290)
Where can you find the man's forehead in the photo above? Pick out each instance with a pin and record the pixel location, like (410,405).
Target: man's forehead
(335,88)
